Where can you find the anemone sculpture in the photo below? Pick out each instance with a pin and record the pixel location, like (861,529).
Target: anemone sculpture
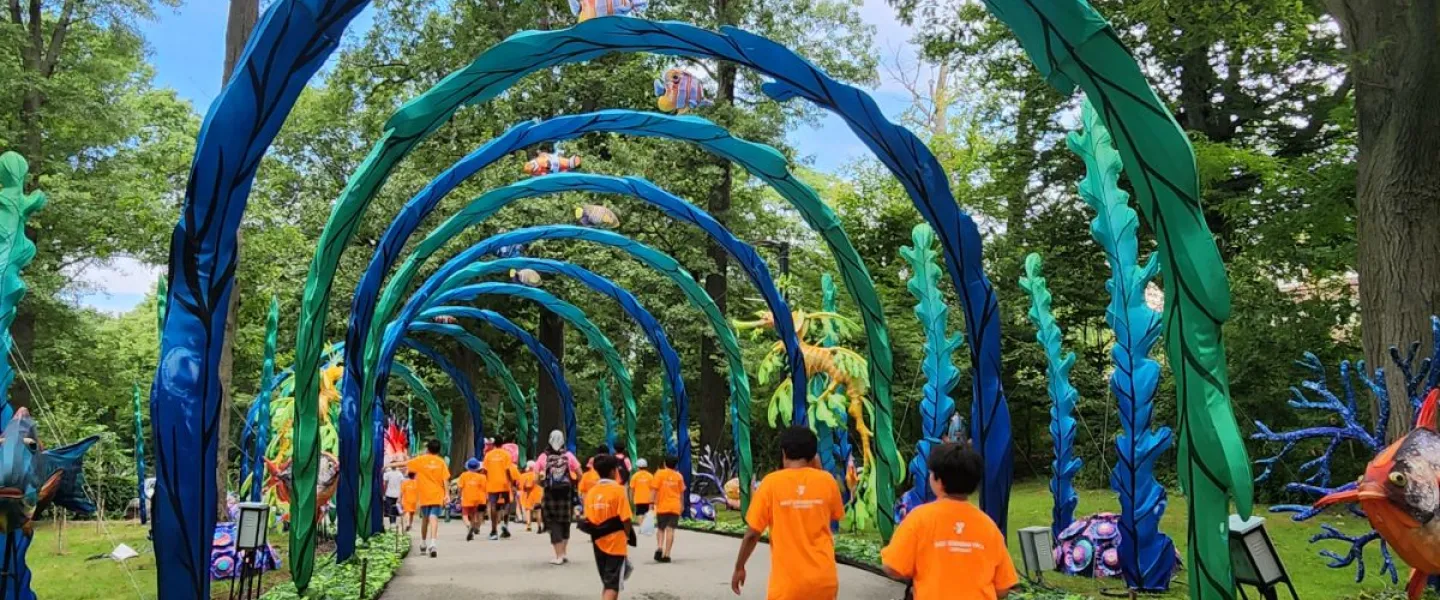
(1147,556)
(1342,404)
(936,406)
(1063,396)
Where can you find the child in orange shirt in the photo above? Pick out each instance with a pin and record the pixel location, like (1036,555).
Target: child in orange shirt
(797,504)
(669,489)
(608,520)
(409,500)
(529,495)
(472,495)
(949,548)
(641,484)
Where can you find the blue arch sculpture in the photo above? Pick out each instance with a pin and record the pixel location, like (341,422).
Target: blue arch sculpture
(576,317)
(493,365)
(548,363)
(663,263)
(669,359)
(462,383)
(289,45)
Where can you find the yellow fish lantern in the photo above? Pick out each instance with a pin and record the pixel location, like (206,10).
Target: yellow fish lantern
(546,163)
(595,215)
(526,277)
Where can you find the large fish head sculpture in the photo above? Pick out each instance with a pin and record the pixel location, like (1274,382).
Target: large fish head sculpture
(32,478)
(1400,492)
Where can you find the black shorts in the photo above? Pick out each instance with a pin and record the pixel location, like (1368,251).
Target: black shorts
(559,531)
(498,501)
(641,509)
(611,568)
(664,521)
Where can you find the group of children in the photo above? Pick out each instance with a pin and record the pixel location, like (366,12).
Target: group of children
(945,549)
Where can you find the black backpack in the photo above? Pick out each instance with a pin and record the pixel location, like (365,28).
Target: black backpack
(557,470)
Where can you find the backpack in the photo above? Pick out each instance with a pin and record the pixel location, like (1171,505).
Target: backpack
(557,470)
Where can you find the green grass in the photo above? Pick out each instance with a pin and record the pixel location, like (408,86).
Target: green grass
(64,571)
(1030,505)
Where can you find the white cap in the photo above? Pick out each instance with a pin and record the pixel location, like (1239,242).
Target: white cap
(641,464)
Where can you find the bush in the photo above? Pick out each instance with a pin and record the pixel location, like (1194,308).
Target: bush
(342,581)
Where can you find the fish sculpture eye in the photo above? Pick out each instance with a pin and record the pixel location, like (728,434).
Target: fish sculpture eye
(1399,480)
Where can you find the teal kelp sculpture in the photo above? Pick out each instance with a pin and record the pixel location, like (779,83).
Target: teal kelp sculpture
(936,407)
(16,251)
(1147,556)
(1063,396)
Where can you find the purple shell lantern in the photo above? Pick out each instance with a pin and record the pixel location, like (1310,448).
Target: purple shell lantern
(222,565)
(1089,547)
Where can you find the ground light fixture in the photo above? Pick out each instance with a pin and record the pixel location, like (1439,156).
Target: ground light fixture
(251,540)
(1038,549)
(1254,559)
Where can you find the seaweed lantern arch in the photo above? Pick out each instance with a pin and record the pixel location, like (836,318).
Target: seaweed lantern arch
(291,42)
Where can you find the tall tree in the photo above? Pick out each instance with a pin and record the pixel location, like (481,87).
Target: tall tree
(79,104)
(240,22)
(1394,56)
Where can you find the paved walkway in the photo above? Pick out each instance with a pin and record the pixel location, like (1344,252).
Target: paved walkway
(518,568)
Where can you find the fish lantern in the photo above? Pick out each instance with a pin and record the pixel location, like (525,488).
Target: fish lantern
(1399,496)
(33,478)
(445,319)
(511,251)
(546,163)
(526,277)
(584,10)
(679,91)
(326,481)
(594,215)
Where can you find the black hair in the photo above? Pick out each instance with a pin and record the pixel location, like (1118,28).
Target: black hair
(958,467)
(410,475)
(433,446)
(606,465)
(600,450)
(670,461)
(797,442)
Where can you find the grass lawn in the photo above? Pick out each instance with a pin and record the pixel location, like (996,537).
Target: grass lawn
(71,575)
(1030,505)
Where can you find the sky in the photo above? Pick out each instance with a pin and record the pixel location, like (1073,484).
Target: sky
(187,52)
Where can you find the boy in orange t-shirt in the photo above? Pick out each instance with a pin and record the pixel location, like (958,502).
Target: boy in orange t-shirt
(431,491)
(669,489)
(501,479)
(641,484)
(408,500)
(797,504)
(608,520)
(472,495)
(530,494)
(949,548)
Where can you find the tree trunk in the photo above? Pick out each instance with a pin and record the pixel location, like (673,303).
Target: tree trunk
(462,435)
(547,398)
(243,16)
(1396,70)
(713,394)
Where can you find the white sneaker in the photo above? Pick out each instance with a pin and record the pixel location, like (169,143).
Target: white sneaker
(557,561)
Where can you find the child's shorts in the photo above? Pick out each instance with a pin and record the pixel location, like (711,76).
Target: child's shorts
(664,521)
(611,568)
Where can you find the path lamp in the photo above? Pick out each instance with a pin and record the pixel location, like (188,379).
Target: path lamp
(1255,560)
(251,537)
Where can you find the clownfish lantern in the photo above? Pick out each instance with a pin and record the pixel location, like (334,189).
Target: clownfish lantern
(546,163)
(594,215)
(584,10)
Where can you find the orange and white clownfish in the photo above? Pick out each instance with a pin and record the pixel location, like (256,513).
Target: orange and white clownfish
(584,10)
(546,163)
(679,91)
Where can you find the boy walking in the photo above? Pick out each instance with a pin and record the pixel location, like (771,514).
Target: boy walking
(394,479)
(669,489)
(501,477)
(409,502)
(640,484)
(431,491)
(949,548)
(797,504)
(472,495)
(608,520)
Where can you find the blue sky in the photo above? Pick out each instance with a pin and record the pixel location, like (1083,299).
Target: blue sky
(187,51)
